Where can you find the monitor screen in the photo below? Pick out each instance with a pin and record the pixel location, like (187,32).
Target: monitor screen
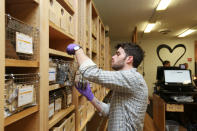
(177,76)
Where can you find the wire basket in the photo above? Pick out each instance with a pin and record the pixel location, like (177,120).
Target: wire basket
(21,39)
(66,71)
(20,92)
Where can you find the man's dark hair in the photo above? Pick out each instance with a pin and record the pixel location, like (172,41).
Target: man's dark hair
(166,62)
(134,50)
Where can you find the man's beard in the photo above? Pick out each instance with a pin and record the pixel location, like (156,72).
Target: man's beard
(118,66)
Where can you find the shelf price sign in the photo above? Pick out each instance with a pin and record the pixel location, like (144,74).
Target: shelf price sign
(24,43)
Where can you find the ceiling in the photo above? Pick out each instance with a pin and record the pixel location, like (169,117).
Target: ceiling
(123,15)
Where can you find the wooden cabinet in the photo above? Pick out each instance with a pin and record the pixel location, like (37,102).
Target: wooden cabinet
(160,109)
(58,23)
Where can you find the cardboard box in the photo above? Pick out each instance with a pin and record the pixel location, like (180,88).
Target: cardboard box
(84,113)
(71,122)
(54,16)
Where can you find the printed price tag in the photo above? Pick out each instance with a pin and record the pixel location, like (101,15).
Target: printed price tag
(24,43)
(25,95)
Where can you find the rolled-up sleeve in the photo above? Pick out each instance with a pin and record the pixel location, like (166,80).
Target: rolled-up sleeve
(116,80)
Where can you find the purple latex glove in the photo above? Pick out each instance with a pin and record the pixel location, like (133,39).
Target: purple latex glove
(86,91)
(70,49)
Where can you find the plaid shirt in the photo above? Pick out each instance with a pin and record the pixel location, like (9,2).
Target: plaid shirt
(129,99)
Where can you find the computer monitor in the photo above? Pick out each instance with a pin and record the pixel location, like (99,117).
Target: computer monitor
(179,77)
(160,72)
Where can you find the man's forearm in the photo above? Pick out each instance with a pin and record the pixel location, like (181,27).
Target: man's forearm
(81,56)
(101,107)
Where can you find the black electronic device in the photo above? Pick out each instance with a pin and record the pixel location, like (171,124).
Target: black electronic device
(182,66)
(178,80)
(160,72)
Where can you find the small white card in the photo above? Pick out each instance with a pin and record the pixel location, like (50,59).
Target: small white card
(69,100)
(58,103)
(24,43)
(51,109)
(52,74)
(25,95)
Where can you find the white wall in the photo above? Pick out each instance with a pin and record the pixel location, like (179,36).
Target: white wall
(151,61)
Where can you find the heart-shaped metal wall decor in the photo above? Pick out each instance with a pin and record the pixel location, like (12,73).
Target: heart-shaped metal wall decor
(171,50)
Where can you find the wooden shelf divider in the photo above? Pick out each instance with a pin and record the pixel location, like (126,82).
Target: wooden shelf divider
(60,115)
(11,119)
(20,63)
(57,33)
(59,53)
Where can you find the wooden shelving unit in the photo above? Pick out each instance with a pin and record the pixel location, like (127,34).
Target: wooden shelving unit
(16,117)
(56,33)
(20,63)
(52,42)
(30,13)
(60,115)
(59,38)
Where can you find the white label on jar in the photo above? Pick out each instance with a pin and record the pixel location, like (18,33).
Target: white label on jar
(69,99)
(25,95)
(24,43)
(58,103)
(52,74)
(51,109)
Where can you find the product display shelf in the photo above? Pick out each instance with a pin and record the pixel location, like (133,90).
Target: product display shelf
(89,116)
(56,33)
(59,53)
(67,6)
(11,119)
(20,63)
(60,115)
